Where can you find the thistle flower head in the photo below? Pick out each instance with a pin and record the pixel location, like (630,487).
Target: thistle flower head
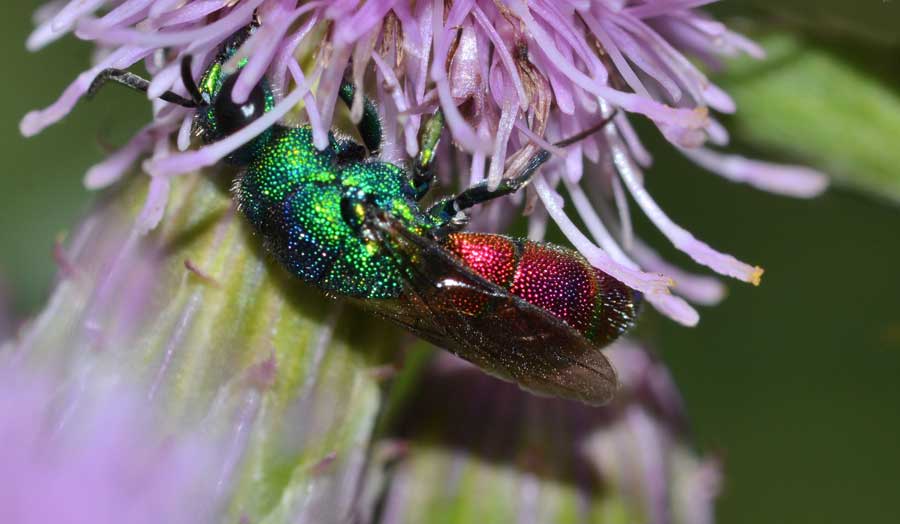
(202,331)
(511,77)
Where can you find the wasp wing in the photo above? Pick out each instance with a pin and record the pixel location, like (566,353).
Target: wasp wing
(450,306)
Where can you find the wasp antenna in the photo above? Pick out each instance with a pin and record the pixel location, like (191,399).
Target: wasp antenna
(187,78)
(133,81)
(587,132)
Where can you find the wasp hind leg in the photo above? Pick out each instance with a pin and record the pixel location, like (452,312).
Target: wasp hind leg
(452,211)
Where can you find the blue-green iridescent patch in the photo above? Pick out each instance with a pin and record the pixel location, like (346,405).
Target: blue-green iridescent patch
(292,192)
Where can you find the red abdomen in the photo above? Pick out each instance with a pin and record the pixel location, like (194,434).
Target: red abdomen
(555,279)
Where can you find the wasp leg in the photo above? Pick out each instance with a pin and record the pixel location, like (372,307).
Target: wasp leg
(422,176)
(429,137)
(348,152)
(370,125)
(451,210)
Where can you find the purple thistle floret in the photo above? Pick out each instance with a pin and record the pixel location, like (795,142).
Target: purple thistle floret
(98,459)
(511,76)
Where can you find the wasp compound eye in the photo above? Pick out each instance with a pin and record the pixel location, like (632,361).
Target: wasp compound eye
(230,116)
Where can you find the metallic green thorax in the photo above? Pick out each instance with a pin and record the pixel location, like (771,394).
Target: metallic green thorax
(292,193)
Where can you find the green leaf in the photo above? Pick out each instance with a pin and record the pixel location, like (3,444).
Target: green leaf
(831,103)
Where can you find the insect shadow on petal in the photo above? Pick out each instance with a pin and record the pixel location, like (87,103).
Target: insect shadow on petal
(352,225)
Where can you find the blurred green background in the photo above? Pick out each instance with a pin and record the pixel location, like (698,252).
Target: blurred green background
(795,384)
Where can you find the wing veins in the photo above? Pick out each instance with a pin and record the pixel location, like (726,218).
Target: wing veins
(547,372)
